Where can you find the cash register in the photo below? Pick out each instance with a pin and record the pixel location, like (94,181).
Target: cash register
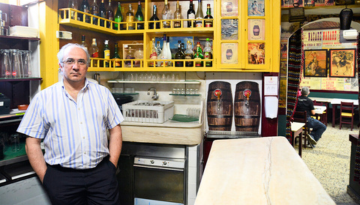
(4,104)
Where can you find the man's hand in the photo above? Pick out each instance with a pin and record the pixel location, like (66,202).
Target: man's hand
(36,157)
(115,144)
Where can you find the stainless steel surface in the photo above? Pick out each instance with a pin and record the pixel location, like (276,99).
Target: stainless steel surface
(153,150)
(231,134)
(160,162)
(161,168)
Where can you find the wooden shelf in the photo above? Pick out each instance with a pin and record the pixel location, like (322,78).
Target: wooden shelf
(18,79)
(19,38)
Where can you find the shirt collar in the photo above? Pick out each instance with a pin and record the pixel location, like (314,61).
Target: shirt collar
(85,86)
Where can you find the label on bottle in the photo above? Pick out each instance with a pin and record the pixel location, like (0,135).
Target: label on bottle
(177,24)
(198,63)
(153,56)
(208,24)
(117,63)
(111,19)
(206,55)
(14,73)
(95,55)
(191,16)
(199,23)
(7,73)
(107,54)
(130,19)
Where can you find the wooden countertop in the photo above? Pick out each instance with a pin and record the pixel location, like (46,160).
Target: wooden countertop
(258,171)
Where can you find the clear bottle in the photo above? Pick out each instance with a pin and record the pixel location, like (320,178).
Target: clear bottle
(84,7)
(117,57)
(154,18)
(166,14)
(163,53)
(190,14)
(102,12)
(158,48)
(129,55)
(153,55)
(139,17)
(94,50)
(130,19)
(208,16)
(110,14)
(180,55)
(208,53)
(74,5)
(168,52)
(95,12)
(83,43)
(199,15)
(106,53)
(139,54)
(189,54)
(118,17)
(198,56)
(177,15)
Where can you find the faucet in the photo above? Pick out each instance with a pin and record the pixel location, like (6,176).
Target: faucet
(155,96)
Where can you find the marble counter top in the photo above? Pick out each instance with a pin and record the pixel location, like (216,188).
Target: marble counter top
(258,171)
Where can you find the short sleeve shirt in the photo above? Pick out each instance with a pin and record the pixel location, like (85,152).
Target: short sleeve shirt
(305,104)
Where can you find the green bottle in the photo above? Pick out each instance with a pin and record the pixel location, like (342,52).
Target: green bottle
(198,56)
(118,17)
(117,57)
(107,53)
(139,17)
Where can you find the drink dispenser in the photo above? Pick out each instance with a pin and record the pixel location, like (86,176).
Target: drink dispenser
(15,63)
(25,62)
(5,66)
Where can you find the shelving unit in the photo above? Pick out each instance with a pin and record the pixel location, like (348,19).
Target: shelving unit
(156,82)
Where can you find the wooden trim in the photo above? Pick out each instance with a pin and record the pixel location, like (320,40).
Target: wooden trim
(334,91)
(353,138)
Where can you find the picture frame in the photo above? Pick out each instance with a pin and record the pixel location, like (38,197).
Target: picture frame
(316,63)
(229,29)
(256,8)
(342,63)
(229,8)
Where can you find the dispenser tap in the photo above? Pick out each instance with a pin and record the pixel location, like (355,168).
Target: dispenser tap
(155,96)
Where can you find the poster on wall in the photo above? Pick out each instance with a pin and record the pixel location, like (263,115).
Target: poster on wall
(283,68)
(229,29)
(256,7)
(283,49)
(256,52)
(256,29)
(229,8)
(282,92)
(292,3)
(288,28)
(342,63)
(315,63)
(229,53)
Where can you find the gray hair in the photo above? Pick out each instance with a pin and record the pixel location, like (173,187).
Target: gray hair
(305,91)
(61,53)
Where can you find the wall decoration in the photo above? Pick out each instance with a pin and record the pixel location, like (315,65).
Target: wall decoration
(256,53)
(229,53)
(291,3)
(315,63)
(256,29)
(256,7)
(229,29)
(229,8)
(342,63)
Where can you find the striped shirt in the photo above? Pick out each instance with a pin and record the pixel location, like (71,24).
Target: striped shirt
(74,132)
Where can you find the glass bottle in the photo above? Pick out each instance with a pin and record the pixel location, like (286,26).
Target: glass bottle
(74,5)
(117,57)
(153,55)
(189,54)
(139,54)
(94,51)
(84,7)
(118,17)
(208,53)
(208,16)
(130,19)
(139,17)
(110,14)
(163,53)
(158,48)
(198,56)
(166,14)
(154,18)
(106,53)
(190,14)
(95,12)
(102,12)
(83,43)
(129,55)
(168,52)
(199,15)
(177,15)
(180,55)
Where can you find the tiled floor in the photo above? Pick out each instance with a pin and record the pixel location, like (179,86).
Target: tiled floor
(329,161)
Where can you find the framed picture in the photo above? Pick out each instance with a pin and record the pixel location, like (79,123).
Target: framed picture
(229,8)
(256,29)
(229,53)
(342,63)
(256,8)
(256,53)
(315,63)
(229,29)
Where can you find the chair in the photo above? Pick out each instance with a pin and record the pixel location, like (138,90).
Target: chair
(323,116)
(300,116)
(347,111)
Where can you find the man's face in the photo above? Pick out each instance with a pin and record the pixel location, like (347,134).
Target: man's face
(74,66)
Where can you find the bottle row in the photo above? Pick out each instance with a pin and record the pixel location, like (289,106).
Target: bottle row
(104,16)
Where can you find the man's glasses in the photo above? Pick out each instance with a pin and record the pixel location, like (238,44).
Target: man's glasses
(71,61)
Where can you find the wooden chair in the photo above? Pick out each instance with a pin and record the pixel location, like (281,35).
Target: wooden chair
(300,116)
(347,111)
(323,116)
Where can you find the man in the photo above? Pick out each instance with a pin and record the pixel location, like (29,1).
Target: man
(72,117)
(305,104)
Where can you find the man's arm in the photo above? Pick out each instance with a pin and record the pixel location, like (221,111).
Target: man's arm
(115,144)
(312,112)
(36,157)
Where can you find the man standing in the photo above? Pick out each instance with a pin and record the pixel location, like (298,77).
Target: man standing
(72,118)
(305,104)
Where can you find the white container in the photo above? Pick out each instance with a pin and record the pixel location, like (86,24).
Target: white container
(148,111)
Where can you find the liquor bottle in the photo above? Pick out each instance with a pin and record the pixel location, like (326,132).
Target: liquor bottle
(189,54)
(191,14)
(154,18)
(179,55)
(168,52)
(208,16)
(83,43)
(110,14)
(106,53)
(118,17)
(208,53)
(130,19)
(116,56)
(94,51)
(102,12)
(139,17)
(84,7)
(199,15)
(74,5)
(158,48)
(177,15)
(95,12)
(130,55)
(166,14)
(163,53)
(153,55)
(198,56)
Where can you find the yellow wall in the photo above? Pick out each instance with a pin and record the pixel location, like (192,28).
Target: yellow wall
(4,1)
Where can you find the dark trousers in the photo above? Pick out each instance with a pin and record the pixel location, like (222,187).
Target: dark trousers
(318,128)
(91,186)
